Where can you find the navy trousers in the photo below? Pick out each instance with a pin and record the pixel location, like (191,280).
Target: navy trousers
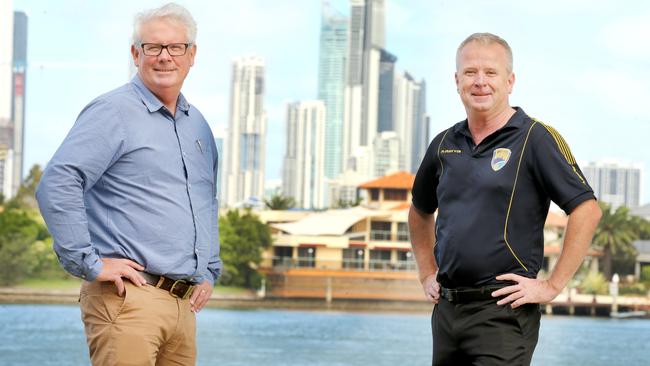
(484,333)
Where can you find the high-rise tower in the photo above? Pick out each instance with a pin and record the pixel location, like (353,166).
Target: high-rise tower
(19,80)
(331,83)
(367,40)
(303,170)
(246,142)
(6,124)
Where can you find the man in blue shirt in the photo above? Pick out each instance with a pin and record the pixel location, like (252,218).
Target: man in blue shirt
(130,200)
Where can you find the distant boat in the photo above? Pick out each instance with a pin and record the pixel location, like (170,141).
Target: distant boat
(628,314)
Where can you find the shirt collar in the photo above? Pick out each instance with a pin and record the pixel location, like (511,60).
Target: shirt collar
(152,102)
(516,121)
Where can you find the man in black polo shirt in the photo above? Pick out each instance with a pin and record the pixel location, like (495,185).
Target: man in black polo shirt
(491,177)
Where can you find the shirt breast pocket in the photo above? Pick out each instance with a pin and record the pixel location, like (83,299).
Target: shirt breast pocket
(203,177)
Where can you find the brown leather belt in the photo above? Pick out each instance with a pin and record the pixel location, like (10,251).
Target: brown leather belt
(177,288)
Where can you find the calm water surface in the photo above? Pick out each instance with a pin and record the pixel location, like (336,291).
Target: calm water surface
(53,335)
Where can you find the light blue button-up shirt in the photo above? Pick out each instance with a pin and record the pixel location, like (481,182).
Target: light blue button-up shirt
(132,181)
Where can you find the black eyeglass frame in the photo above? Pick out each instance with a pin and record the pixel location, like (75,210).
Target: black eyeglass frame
(165,46)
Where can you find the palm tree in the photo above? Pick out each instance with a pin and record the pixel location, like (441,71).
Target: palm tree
(642,227)
(279,202)
(614,235)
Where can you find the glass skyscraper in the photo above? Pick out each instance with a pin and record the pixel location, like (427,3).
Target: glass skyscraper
(246,144)
(331,84)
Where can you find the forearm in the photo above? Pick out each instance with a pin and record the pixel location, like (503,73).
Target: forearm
(422,230)
(60,199)
(579,232)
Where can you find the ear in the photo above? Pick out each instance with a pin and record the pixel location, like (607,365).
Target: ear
(511,82)
(456,80)
(135,53)
(192,54)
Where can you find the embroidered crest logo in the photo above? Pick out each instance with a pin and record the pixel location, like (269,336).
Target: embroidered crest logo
(500,158)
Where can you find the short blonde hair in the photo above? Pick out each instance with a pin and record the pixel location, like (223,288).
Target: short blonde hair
(486,39)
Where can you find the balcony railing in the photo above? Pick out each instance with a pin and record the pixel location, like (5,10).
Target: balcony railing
(403,236)
(380,235)
(376,265)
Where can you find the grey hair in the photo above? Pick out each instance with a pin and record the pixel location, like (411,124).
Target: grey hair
(486,39)
(167,11)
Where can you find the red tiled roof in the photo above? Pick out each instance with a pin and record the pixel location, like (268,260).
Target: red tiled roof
(399,180)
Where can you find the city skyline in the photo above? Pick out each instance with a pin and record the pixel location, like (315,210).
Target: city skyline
(585,76)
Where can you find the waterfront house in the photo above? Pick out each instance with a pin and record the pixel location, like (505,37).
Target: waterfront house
(361,252)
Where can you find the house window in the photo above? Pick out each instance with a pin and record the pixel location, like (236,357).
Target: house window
(374,194)
(282,256)
(380,230)
(395,195)
(402,231)
(380,259)
(307,257)
(353,258)
(405,261)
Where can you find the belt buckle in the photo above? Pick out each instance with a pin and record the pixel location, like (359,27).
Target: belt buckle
(450,295)
(187,292)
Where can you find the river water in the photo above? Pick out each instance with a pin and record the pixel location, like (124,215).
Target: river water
(53,335)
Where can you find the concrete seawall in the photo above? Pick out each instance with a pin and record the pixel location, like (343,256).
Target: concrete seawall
(227,301)
(562,305)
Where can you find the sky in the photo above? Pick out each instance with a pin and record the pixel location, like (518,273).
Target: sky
(580,66)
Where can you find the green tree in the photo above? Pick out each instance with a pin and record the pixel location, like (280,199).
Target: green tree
(17,234)
(614,236)
(26,196)
(594,283)
(280,202)
(341,203)
(642,227)
(242,238)
(46,265)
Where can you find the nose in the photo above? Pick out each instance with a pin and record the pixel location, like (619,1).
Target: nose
(164,55)
(479,78)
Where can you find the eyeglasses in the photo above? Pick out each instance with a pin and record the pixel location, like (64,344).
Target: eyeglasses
(155,49)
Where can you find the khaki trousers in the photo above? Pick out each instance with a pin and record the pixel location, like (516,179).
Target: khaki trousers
(146,326)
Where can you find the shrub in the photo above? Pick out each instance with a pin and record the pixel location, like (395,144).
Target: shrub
(594,283)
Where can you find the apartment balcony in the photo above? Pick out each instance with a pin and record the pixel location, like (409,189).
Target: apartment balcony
(380,235)
(403,236)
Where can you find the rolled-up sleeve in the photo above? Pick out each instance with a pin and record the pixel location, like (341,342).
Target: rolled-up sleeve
(93,144)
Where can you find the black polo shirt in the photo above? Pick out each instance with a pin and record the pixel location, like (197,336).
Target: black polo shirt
(493,198)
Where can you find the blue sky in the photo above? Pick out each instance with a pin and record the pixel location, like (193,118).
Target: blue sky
(581,66)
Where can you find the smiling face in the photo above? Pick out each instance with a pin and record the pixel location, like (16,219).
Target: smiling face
(163,74)
(483,79)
